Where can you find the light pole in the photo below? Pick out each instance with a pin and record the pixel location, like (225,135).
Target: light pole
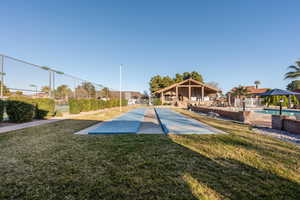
(280,106)
(2,76)
(121,87)
(34,86)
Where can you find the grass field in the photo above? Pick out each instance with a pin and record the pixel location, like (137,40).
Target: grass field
(50,162)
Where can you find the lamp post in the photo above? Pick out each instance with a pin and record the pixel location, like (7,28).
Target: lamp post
(34,86)
(280,106)
(244,104)
(121,88)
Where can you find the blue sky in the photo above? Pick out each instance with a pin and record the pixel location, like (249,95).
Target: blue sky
(229,42)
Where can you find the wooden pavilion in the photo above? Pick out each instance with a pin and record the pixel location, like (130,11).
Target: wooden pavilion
(187,91)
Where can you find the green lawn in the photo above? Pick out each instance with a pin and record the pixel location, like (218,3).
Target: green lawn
(50,162)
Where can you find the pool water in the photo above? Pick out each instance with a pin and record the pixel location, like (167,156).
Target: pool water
(276,112)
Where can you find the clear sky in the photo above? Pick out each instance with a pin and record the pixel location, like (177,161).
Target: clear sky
(231,42)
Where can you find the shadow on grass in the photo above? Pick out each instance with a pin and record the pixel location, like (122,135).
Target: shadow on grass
(223,178)
(50,162)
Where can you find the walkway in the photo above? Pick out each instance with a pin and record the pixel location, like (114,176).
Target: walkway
(129,122)
(27,125)
(176,123)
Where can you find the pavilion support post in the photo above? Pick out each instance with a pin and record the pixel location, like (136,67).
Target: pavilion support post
(202,93)
(190,93)
(176,93)
(162,98)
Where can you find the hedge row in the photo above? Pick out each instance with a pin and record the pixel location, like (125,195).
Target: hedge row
(24,109)
(84,105)
(2,105)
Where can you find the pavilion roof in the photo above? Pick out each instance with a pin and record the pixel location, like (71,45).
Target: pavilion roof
(182,82)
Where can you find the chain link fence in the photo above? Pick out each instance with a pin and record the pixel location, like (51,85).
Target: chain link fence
(22,78)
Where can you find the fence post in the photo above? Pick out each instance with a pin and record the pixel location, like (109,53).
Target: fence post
(2,74)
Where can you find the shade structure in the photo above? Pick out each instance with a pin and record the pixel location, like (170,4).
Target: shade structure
(278,92)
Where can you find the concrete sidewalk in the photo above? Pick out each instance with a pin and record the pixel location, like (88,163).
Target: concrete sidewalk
(27,125)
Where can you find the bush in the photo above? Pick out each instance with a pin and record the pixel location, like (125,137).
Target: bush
(2,105)
(74,106)
(156,102)
(19,111)
(58,114)
(83,105)
(45,107)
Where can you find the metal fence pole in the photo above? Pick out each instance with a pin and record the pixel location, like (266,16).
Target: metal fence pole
(2,74)
(53,84)
(120,88)
(74,88)
(50,85)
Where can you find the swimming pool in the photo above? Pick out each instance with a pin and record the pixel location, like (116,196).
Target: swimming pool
(276,112)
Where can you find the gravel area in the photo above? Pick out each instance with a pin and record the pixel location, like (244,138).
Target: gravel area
(282,135)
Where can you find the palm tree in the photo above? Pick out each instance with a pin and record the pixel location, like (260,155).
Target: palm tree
(240,91)
(257,83)
(295,71)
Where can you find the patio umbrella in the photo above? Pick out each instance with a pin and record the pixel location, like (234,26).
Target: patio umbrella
(278,92)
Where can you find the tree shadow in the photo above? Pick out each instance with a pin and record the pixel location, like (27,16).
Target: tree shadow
(233,179)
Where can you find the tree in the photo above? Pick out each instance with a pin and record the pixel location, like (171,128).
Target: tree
(186,75)
(155,83)
(295,71)
(213,84)
(6,91)
(294,85)
(196,76)
(145,95)
(178,78)
(193,75)
(19,93)
(63,92)
(240,91)
(81,92)
(45,89)
(105,92)
(257,83)
(166,81)
(89,88)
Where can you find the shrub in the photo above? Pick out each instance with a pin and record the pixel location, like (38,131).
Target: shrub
(2,105)
(124,102)
(19,111)
(83,105)
(94,104)
(45,107)
(74,106)
(58,114)
(156,102)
